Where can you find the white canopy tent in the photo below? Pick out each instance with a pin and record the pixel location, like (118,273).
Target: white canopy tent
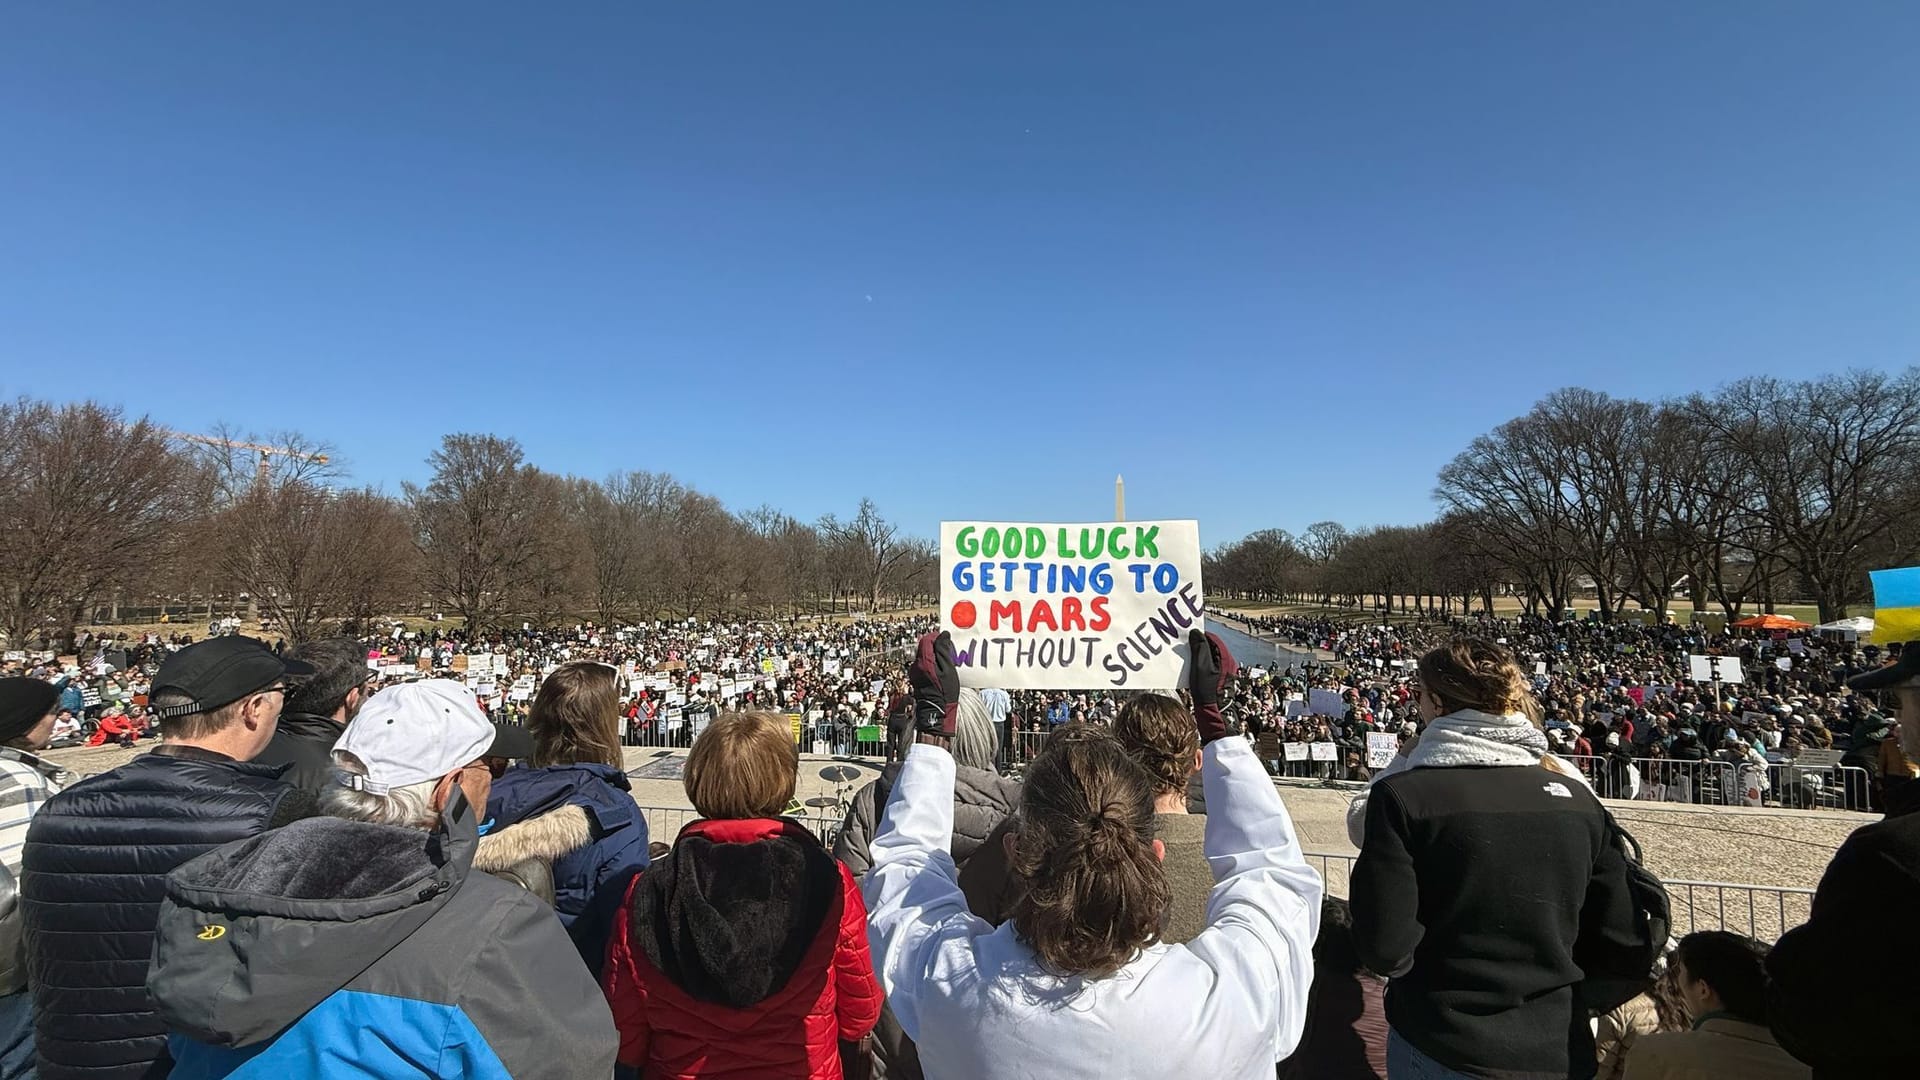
(1851,629)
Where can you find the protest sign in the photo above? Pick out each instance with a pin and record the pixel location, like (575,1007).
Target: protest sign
(1296,707)
(1071,607)
(1325,751)
(1381,746)
(1724,669)
(1785,663)
(1752,717)
(1326,703)
(1297,751)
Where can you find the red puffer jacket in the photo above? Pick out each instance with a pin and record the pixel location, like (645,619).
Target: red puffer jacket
(742,953)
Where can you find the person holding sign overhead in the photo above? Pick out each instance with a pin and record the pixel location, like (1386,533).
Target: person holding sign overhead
(1077,983)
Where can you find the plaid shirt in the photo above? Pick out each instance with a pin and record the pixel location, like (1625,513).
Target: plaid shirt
(26,781)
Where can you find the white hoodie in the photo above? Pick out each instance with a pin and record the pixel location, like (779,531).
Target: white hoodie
(1226,1005)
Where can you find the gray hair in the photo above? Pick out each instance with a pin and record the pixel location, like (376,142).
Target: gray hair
(975,744)
(410,806)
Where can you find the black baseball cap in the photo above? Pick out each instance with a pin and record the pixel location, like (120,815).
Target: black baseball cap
(220,671)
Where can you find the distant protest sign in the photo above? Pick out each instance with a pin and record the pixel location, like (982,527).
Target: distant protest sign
(1381,746)
(1724,669)
(1071,607)
(1324,702)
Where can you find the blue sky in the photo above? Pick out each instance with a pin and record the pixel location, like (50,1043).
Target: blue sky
(1274,262)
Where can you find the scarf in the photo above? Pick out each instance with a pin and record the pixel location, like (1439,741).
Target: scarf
(1467,737)
(1471,737)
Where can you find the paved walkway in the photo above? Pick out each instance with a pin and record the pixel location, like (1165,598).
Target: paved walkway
(1698,843)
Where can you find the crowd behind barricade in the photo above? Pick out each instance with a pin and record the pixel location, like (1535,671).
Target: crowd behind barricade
(1620,700)
(314,874)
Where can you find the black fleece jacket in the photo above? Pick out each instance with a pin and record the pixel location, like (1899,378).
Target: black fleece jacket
(304,742)
(1485,894)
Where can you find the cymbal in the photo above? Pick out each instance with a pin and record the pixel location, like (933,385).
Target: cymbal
(823,803)
(839,774)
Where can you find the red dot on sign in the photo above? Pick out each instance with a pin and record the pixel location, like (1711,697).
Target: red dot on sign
(963,615)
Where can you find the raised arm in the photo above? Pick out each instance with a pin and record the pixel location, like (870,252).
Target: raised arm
(914,902)
(1264,911)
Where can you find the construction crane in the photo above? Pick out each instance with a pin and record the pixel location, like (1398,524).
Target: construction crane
(266,452)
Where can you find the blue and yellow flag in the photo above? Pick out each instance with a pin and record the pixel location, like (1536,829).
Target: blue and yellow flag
(1896,605)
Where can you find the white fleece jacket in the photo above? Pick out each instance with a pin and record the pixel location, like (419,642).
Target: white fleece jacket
(1226,1005)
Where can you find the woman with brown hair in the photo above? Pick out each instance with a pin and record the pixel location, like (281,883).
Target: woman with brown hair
(1158,733)
(572,808)
(1078,982)
(1489,890)
(742,952)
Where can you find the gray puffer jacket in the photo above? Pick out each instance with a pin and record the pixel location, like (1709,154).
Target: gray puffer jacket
(981,800)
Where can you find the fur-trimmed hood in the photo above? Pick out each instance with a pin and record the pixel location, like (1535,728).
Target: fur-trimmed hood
(547,837)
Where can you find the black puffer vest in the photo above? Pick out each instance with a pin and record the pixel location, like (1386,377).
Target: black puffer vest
(95,869)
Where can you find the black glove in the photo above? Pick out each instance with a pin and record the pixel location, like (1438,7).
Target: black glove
(936,686)
(1212,669)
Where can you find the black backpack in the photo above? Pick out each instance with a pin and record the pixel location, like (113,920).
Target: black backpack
(1617,973)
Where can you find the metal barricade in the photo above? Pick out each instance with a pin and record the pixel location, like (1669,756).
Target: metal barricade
(1720,783)
(1762,912)
(1027,745)
(1334,868)
(665,822)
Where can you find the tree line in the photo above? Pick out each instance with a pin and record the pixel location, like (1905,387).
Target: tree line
(1764,492)
(101,514)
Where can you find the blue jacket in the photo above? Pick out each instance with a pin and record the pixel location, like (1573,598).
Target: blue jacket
(334,948)
(581,820)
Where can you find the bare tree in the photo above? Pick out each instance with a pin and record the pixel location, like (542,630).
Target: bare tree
(89,503)
(1832,460)
(477,526)
(878,552)
(310,555)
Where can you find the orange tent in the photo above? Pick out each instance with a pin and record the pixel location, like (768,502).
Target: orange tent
(1772,622)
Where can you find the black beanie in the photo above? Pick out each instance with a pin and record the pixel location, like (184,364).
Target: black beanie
(23,702)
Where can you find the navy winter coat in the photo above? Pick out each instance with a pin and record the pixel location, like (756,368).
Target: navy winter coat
(583,821)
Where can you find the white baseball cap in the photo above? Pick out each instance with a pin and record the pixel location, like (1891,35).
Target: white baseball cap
(415,732)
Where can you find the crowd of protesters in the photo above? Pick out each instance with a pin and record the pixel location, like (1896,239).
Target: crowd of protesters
(332,865)
(1618,699)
